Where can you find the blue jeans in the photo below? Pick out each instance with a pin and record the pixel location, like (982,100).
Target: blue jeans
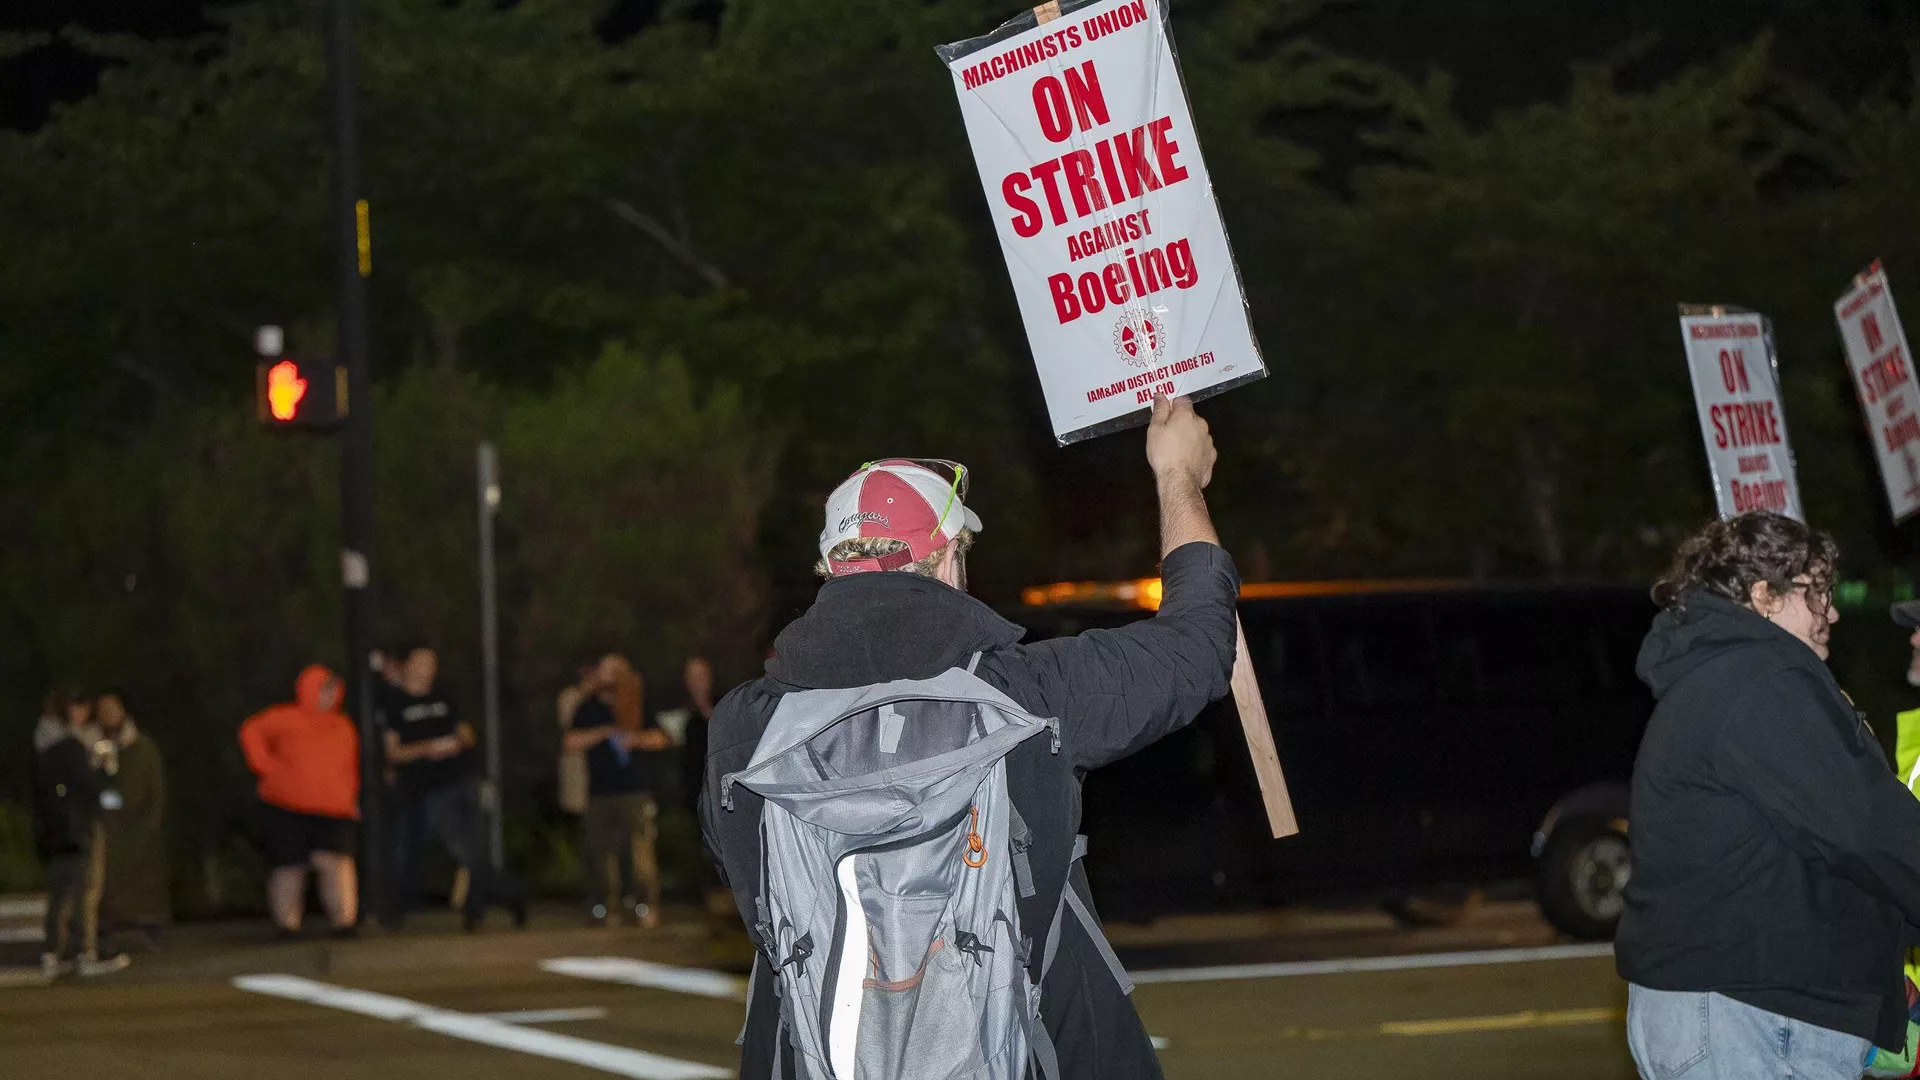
(453,815)
(1694,1035)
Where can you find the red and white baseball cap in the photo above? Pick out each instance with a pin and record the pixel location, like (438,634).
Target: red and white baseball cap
(917,502)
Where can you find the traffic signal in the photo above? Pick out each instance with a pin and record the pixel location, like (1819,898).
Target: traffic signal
(296,392)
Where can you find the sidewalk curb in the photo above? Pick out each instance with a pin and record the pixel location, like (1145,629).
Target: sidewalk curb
(678,942)
(387,954)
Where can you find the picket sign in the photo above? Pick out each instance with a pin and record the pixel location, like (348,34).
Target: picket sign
(1882,370)
(1092,170)
(1736,387)
(1128,291)
(1253,720)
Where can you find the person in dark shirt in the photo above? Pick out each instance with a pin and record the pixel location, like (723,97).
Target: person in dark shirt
(430,755)
(687,723)
(73,790)
(623,773)
(697,678)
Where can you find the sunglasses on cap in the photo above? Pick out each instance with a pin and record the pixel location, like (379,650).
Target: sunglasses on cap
(954,473)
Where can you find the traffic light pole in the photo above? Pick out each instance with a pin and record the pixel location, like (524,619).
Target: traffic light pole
(487,468)
(352,264)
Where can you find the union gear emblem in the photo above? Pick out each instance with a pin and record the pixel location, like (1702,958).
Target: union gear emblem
(1140,337)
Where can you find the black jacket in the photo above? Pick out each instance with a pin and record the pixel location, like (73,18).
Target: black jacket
(1776,858)
(67,792)
(1114,692)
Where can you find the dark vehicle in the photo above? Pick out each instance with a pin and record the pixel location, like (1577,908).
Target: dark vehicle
(1434,735)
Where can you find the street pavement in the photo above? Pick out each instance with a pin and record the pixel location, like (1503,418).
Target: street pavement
(1320,995)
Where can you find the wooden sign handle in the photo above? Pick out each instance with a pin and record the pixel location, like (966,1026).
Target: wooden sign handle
(1253,720)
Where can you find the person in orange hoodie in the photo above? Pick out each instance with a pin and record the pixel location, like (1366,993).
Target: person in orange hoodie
(307,756)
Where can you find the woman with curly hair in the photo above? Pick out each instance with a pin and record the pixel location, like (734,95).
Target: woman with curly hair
(1776,856)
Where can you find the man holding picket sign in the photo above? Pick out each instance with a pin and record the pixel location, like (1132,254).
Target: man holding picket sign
(896,802)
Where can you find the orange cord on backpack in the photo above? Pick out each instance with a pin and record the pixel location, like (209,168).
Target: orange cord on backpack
(975,845)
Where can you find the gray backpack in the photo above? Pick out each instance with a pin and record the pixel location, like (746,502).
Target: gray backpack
(891,860)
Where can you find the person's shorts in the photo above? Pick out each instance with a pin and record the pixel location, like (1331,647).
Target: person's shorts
(290,838)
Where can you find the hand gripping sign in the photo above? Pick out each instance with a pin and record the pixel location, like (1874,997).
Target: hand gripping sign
(1736,386)
(1106,216)
(1113,240)
(1882,369)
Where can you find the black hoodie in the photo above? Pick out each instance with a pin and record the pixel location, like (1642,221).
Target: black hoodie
(1114,692)
(1776,858)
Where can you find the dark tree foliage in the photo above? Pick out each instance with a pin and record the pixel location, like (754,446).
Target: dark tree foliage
(690,274)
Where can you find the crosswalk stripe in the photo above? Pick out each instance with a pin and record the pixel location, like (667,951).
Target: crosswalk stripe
(547,1016)
(631,972)
(486,1030)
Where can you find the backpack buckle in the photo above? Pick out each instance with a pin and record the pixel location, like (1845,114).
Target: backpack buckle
(970,944)
(798,957)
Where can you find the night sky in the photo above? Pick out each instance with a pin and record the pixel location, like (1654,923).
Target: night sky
(1502,52)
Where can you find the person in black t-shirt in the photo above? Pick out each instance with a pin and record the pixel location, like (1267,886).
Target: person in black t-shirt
(430,756)
(623,773)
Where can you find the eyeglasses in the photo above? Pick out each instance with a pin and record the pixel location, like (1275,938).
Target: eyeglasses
(1823,598)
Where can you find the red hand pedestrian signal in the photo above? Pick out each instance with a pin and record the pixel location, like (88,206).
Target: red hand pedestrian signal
(297,392)
(285,388)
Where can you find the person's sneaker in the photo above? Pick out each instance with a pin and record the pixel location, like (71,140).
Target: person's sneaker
(91,965)
(52,967)
(597,915)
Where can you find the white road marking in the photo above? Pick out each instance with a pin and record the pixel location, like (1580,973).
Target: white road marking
(547,1016)
(21,935)
(618,1060)
(1373,963)
(23,907)
(625,969)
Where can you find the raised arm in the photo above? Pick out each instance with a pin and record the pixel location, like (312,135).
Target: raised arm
(1116,691)
(1180,451)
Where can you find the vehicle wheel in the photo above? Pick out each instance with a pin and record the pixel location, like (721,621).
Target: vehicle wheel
(1581,878)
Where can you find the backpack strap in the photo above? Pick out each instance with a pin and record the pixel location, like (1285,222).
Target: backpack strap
(1100,942)
(1070,898)
(974,663)
(1046,1057)
(753,983)
(763,924)
(1020,839)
